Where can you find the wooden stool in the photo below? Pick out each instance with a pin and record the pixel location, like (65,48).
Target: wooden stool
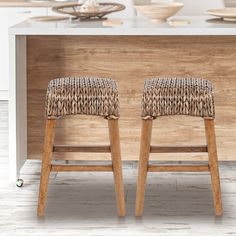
(177,96)
(88,96)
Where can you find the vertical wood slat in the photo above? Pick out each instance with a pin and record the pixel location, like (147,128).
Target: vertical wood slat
(46,165)
(213,163)
(143,165)
(117,166)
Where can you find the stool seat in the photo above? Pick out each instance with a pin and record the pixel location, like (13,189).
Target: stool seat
(177,96)
(87,96)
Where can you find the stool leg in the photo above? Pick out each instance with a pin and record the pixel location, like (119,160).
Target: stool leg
(46,165)
(143,165)
(213,163)
(117,166)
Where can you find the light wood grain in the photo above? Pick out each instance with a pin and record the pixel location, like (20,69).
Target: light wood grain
(136,59)
(117,166)
(176,149)
(59,168)
(97,149)
(213,163)
(173,168)
(143,165)
(46,165)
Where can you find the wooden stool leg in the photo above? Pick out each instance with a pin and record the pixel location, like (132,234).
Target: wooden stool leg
(46,165)
(117,166)
(143,165)
(213,163)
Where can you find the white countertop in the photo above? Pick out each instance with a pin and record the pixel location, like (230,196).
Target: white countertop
(200,25)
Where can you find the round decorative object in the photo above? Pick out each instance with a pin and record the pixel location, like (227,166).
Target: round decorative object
(227,14)
(19,183)
(159,12)
(75,10)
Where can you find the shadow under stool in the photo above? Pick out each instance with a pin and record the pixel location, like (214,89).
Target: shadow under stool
(87,96)
(177,96)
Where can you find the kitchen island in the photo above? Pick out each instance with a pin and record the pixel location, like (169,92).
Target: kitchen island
(131,52)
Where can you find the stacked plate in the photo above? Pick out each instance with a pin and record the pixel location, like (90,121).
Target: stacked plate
(227,14)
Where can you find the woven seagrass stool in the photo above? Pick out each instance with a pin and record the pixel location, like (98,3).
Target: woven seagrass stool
(87,96)
(177,96)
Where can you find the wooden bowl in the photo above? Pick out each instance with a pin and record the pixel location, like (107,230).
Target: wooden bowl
(74,10)
(159,11)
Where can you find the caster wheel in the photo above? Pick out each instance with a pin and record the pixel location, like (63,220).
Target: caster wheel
(19,183)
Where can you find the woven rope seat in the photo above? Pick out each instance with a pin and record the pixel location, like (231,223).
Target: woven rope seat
(87,96)
(177,96)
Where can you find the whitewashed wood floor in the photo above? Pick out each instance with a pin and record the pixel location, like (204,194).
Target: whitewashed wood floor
(84,203)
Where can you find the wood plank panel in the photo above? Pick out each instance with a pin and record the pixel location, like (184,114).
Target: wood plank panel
(130,60)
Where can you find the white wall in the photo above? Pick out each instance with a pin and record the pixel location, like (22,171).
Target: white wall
(199,7)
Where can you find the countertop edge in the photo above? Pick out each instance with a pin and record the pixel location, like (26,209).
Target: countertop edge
(123,32)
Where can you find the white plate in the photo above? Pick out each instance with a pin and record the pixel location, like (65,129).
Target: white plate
(228,13)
